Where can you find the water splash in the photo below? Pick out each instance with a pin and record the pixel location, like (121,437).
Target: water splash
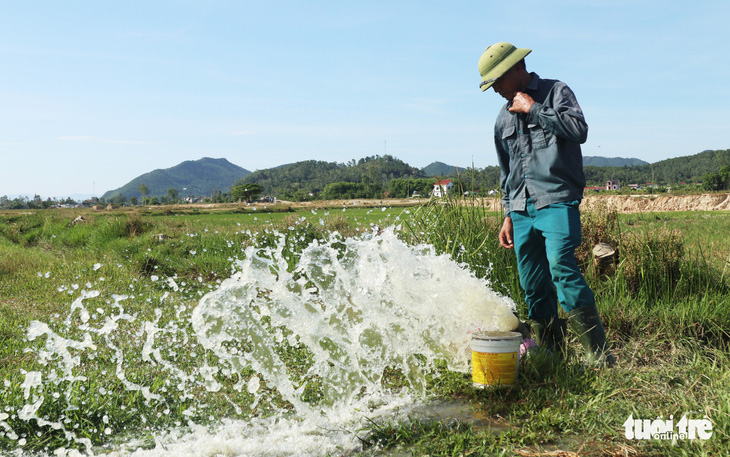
(304,354)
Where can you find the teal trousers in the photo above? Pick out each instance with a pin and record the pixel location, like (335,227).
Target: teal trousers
(545,242)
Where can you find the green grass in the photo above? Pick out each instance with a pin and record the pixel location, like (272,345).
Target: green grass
(702,232)
(46,263)
(665,305)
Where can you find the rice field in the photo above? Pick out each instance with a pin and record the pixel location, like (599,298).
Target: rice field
(143,287)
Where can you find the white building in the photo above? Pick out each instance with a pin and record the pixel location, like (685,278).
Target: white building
(441,188)
(613,185)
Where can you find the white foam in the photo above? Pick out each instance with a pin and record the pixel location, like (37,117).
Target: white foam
(357,308)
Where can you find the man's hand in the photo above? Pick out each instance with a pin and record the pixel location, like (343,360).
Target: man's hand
(521,103)
(506,234)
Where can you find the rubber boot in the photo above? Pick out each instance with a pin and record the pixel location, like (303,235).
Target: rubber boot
(522,328)
(550,335)
(586,322)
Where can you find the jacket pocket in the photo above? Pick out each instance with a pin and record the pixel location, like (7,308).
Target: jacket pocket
(537,136)
(509,139)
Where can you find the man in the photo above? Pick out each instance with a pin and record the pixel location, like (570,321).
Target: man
(537,135)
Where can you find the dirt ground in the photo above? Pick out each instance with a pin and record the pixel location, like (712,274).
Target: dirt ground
(654,203)
(621,203)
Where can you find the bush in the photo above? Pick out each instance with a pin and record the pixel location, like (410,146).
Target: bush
(599,225)
(651,263)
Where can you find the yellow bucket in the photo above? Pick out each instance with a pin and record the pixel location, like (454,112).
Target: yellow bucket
(495,358)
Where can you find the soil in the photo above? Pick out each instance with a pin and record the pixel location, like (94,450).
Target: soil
(621,203)
(650,203)
(654,203)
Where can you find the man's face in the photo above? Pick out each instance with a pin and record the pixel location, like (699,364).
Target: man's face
(509,84)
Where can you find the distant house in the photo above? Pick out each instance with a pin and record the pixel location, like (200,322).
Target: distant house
(594,188)
(613,184)
(441,188)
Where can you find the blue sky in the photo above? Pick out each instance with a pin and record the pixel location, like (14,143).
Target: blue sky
(93,94)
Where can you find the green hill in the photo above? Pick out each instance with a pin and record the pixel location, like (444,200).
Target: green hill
(687,169)
(298,180)
(440,169)
(374,175)
(193,177)
(597,161)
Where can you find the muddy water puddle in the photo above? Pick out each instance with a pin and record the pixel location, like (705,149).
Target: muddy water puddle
(454,412)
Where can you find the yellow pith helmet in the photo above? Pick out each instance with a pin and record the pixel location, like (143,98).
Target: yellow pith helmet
(496,60)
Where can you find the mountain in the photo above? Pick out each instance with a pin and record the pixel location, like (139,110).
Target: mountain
(193,177)
(597,161)
(307,179)
(311,176)
(687,169)
(439,169)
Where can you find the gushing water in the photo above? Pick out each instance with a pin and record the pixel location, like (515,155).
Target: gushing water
(301,354)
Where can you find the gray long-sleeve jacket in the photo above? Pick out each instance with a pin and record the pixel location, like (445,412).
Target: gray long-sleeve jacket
(539,152)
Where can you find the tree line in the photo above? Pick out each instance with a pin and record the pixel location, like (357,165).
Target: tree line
(369,177)
(389,177)
(669,172)
(717,181)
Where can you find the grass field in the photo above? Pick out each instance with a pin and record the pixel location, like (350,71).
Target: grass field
(705,234)
(665,305)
